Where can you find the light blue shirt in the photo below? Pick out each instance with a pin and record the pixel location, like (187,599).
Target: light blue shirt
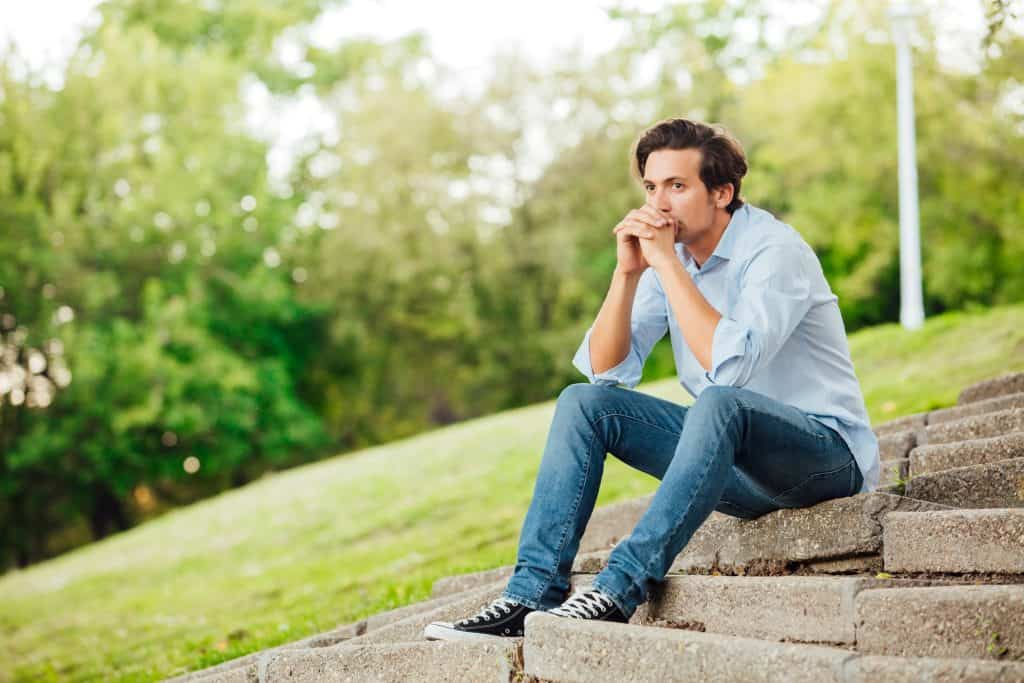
(781,332)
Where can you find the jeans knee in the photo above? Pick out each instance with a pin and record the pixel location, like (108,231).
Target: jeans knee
(580,395)
(718,397)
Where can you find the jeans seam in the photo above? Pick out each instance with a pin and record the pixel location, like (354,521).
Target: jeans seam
(816,475)
(689,505)
(575,507)
(637,419)
(811,433)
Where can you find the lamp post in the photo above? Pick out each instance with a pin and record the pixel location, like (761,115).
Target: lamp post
(911,302)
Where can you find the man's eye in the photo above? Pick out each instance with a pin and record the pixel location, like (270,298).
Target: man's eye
(677,185)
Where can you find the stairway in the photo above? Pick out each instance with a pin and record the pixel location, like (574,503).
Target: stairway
(921,580)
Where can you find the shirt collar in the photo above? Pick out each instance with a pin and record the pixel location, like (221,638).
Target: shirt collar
(726,244)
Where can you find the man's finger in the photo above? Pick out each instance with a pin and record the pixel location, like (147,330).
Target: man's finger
(638,230)
(656,217)
(642,216)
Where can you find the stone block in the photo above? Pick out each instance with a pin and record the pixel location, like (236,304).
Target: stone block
(992,485)
(999,423)
(1011,383)
(955,541)
(978,622)
(944,456)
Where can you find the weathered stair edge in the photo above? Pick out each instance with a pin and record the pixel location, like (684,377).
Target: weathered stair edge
(945,456)
(955,541)
(997,484)
(942,621)
(950,622)
(334,636)
(1009,383)
(917,421)
(779,541)
(896,445)
(835,536)
(385,663)
(998,423)
(566,651)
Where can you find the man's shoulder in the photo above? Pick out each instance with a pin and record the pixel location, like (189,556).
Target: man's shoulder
(769,236)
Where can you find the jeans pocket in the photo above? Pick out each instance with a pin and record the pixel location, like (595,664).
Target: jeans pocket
(819,487)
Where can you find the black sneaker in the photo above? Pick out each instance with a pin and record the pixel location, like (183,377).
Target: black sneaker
(503,618)
(590,604)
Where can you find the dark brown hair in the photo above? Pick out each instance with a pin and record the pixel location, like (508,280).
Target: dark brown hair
(722,161)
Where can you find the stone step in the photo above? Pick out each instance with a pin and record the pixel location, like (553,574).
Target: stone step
(835,536)
(917,421)
(807,609)
(944,621)
(999,423)
(944,456)
(991,485)
(333,637)
(235,669)
(393,663)
(568,650)
(907,423)
(955,541)
(999,386)
(897,445)
(837,530)
(988,405)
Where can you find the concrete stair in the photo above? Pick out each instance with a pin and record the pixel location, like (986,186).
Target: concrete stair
(955,541)
(794,595)
(998,386)
(569,651)
(939,457)
(998,423)
(997,484)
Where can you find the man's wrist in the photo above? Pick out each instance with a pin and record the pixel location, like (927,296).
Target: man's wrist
(661,265)
(627,275)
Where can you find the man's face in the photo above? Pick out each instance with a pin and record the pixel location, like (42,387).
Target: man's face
(673,186)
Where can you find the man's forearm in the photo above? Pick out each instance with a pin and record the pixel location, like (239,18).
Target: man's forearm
(611,336)
(698,318)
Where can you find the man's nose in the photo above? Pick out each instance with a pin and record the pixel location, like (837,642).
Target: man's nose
(659,202)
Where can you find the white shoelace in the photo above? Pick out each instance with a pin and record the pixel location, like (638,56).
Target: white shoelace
(584,605)
(493,611)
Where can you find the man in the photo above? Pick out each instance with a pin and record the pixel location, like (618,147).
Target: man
(778,422)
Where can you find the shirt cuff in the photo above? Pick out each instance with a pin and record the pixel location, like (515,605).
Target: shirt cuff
(619,374)
(729,342)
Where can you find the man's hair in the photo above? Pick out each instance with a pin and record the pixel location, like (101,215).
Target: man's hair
(722,161)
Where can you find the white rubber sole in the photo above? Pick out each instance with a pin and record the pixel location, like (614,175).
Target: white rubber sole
(441,630)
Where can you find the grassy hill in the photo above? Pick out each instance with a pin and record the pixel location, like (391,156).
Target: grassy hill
(305,550)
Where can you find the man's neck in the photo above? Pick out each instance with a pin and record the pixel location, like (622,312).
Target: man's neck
(702,249)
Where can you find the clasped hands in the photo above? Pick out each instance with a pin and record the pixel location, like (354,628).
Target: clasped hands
(646,237)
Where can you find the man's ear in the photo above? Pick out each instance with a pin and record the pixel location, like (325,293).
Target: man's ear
(723,195)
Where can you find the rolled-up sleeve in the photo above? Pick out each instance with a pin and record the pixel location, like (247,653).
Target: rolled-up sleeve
(648,324)
(774,296)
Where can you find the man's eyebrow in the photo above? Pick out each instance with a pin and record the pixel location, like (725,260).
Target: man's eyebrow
(675,177)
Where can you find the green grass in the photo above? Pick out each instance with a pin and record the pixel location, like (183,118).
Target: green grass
(305,550)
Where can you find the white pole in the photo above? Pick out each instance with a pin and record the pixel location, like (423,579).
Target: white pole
(911,301)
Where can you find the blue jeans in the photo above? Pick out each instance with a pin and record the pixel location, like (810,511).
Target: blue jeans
(733,450)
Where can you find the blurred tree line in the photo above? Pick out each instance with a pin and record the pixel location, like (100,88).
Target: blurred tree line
(175,321)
